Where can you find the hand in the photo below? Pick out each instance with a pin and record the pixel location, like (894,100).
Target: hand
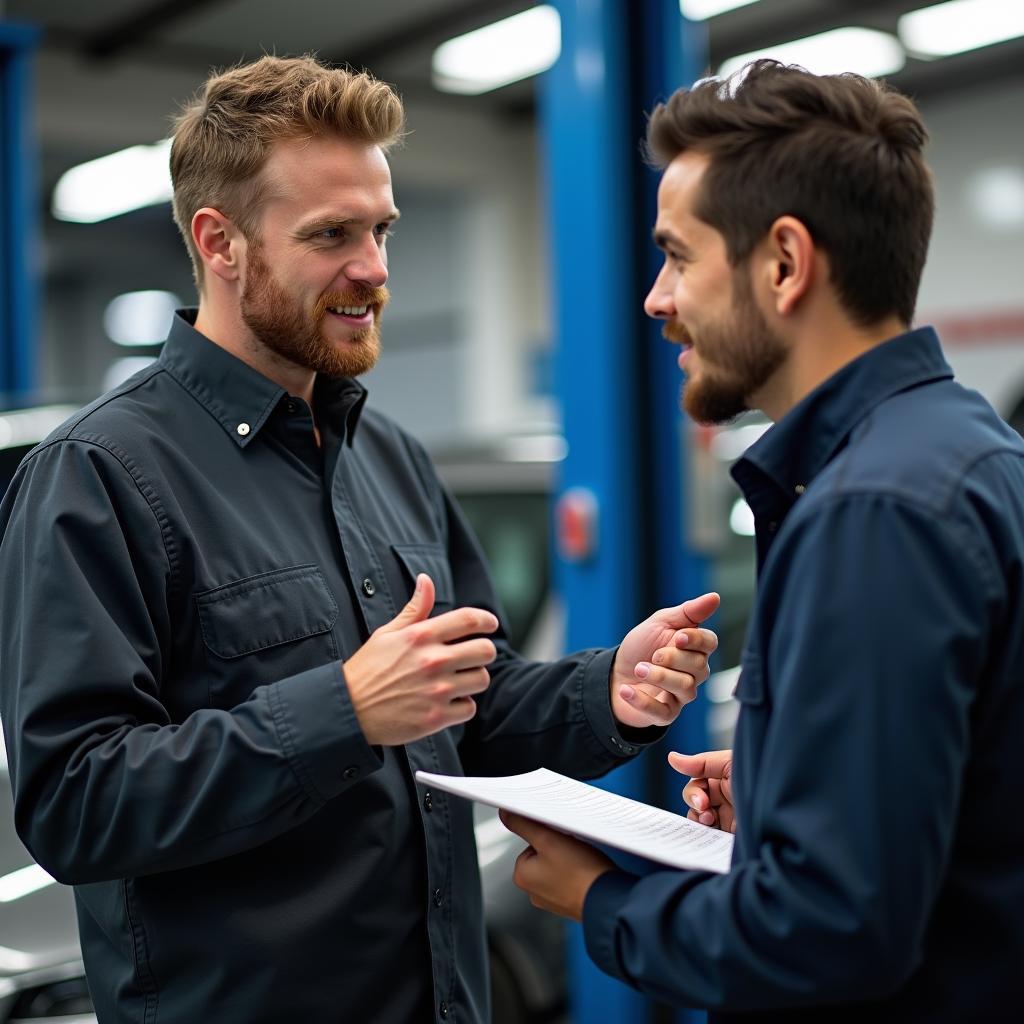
(661,662)
(555,870)
(708,794)
(416,676)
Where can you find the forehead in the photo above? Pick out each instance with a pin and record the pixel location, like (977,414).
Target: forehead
(678,191)
(330,175)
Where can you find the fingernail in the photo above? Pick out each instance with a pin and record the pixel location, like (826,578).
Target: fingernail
(642,670)
(627,693)
(707,818)
(682,639)
(699,802)
(419,584)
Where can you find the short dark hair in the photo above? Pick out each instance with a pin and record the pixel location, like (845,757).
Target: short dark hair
(841,153)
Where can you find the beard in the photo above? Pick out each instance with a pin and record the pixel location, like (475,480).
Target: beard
(285,328)
(738,355)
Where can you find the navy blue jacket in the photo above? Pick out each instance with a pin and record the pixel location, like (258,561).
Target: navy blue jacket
(878,872)
(183,572)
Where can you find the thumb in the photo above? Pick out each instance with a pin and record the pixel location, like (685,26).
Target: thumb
(709,765)
(694,611)
(418,607)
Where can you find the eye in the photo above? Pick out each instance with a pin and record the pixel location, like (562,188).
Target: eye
(383,229)
(329,234)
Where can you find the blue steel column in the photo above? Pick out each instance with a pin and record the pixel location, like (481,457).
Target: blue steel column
(18,284)
(676,55)
(616,377)
(590,151)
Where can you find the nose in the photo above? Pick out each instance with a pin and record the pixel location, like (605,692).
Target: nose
(369,264)
(659,304)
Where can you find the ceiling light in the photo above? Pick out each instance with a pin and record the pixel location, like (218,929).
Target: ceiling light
(22,427)
(960,25)
(114,184)
(699,10)
(121,369)
(498,54)
(22,882)
(140,318)
(860,50)
(996,195)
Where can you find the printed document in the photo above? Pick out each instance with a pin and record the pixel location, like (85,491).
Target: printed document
(601,817)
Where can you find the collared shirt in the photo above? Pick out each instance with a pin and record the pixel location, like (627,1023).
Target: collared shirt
(184,572)
(878,871)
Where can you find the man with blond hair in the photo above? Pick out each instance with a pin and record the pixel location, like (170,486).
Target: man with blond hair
(239,611)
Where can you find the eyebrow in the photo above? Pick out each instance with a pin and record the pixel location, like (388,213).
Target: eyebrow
(323,223)
(665,239)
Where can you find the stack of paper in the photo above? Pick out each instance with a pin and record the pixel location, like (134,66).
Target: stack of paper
(601,817)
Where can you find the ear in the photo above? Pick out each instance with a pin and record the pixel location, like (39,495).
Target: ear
(791,263)
(220,244)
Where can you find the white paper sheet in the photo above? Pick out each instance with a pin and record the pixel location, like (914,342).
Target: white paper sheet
(601,817)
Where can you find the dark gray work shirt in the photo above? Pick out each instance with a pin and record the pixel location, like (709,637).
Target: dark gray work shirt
(183,572)
(878,872)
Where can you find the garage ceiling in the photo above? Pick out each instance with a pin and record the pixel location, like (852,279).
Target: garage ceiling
(110,71)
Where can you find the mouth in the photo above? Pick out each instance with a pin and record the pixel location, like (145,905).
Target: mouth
(354,316)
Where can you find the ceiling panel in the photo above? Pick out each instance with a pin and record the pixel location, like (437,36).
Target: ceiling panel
(72,15)
(252,26)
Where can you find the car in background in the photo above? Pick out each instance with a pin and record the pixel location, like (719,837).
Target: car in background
(504,490)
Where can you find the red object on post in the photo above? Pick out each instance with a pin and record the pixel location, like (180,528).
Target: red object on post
(576,524)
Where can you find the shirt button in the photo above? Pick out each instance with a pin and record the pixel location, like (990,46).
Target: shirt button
(291,406)
(438,897)
(799,488)
(428,802)
(242,429)
(350,773)
(443,1010)
(368,588)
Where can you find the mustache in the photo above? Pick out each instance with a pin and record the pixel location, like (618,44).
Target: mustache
(357,295)
(671,331)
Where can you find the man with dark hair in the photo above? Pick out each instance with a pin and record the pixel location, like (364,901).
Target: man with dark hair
(878,871)
(239,611)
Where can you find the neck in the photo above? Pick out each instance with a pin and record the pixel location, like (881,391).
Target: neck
(223,325)
(818,349)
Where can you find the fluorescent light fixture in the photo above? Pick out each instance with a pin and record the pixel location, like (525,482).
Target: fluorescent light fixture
(16,884)
(498,54)
(140,318)
(700,10)
(121,369)
(996,197)
(960,25)
(114,184)
(22,427)
(861,50)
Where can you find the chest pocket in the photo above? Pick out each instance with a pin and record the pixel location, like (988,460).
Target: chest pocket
(433,560)
(265,628)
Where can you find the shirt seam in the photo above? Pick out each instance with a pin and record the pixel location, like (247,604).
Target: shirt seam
(958,533)
(145,489)
(284,735)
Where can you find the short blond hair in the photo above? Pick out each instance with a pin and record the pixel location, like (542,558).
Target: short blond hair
(222,138)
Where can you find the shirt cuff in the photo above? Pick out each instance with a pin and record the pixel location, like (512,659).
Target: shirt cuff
(319,731)
(621,740)
(601,906)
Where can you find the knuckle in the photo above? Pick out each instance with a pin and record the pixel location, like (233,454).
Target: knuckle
(434,719)
(431,661)
(417,632)
(441,692)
